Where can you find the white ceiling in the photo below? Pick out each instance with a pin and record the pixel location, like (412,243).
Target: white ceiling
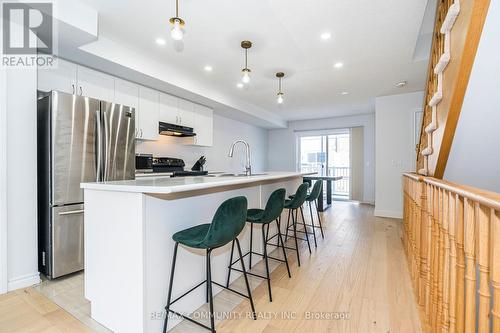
(375,39)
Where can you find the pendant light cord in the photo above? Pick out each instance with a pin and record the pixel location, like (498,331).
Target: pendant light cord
(176,8)
(279,85)
(246,58)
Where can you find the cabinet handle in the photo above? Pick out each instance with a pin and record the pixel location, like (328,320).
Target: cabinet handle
(81,91)
(73,89)
(141,133)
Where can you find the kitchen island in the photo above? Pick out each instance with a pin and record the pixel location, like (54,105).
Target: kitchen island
(128,242)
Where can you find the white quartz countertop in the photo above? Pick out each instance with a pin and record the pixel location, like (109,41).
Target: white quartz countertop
(182,184)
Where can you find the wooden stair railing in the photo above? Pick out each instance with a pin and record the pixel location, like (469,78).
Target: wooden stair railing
(457,31)
(451,236)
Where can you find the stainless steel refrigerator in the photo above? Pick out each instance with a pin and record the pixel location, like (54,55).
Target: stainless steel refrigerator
(80,139)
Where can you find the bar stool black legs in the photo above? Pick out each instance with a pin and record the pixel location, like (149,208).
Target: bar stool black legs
(264,255)
(209,293)
(319,218)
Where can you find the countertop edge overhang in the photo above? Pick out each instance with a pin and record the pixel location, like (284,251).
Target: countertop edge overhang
(164,185)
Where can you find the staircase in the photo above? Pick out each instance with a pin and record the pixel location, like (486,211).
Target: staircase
(456,37)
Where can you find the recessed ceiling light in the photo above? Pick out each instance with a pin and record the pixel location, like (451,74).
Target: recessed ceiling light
(401,84)
(326,35)
(344,93)
(160,41)
(338,65)
(208,68)
(239,85)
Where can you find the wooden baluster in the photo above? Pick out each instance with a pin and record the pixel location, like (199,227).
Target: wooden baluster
(483,234)
(460,289)
(495,270)
(453,261)
(435,263)
(417,238)
(423,244)
(428,280)
(440,262)
(445,323)
(405,210)
(470,268)
(413,226)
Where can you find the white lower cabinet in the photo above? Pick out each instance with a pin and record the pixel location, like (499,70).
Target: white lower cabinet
(203,126)
(148,114)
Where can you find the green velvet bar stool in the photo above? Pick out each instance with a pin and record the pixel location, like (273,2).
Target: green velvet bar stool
(227,223)
(313,196)
(264,217)
(294,205)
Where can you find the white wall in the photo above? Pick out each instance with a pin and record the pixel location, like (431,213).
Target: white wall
(474,159)
(3,181)
(395,149)
(225,132)
(22,266)
(282,145)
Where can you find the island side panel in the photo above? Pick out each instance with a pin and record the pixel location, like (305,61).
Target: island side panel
(114,259)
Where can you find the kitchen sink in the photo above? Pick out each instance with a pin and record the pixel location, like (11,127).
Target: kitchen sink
(234,174)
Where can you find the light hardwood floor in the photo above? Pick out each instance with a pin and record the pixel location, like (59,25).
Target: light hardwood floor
(355,281)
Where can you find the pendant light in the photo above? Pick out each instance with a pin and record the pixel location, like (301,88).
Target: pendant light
(246,71)
(280,94)
(177,32)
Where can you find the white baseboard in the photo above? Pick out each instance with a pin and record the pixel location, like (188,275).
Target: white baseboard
(23,281)
(388,213)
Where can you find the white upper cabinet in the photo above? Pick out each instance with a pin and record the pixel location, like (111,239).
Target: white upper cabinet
(126,93)
(186,113)
(61,78)
(95,84)
(151,106)
(148,114)
(203,126)
(169,109)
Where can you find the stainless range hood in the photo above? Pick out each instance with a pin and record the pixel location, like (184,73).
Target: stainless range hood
(175,130)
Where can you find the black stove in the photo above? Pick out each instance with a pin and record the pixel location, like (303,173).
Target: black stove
(175,166)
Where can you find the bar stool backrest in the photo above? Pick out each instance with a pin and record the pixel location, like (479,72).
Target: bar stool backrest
(227,223)
(299,197)
(316,191)
(274,205)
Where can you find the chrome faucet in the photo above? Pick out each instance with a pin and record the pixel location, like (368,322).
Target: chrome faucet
(248,167)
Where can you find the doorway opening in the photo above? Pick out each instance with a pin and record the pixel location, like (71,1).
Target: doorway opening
(328,154)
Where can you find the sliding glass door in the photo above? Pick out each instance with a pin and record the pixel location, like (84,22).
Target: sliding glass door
(328,154)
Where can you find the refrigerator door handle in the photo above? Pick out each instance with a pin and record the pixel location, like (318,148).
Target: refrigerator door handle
(98,146)
(106,147)
(72,212)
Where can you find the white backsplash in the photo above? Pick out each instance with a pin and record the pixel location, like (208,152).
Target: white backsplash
(225,132)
